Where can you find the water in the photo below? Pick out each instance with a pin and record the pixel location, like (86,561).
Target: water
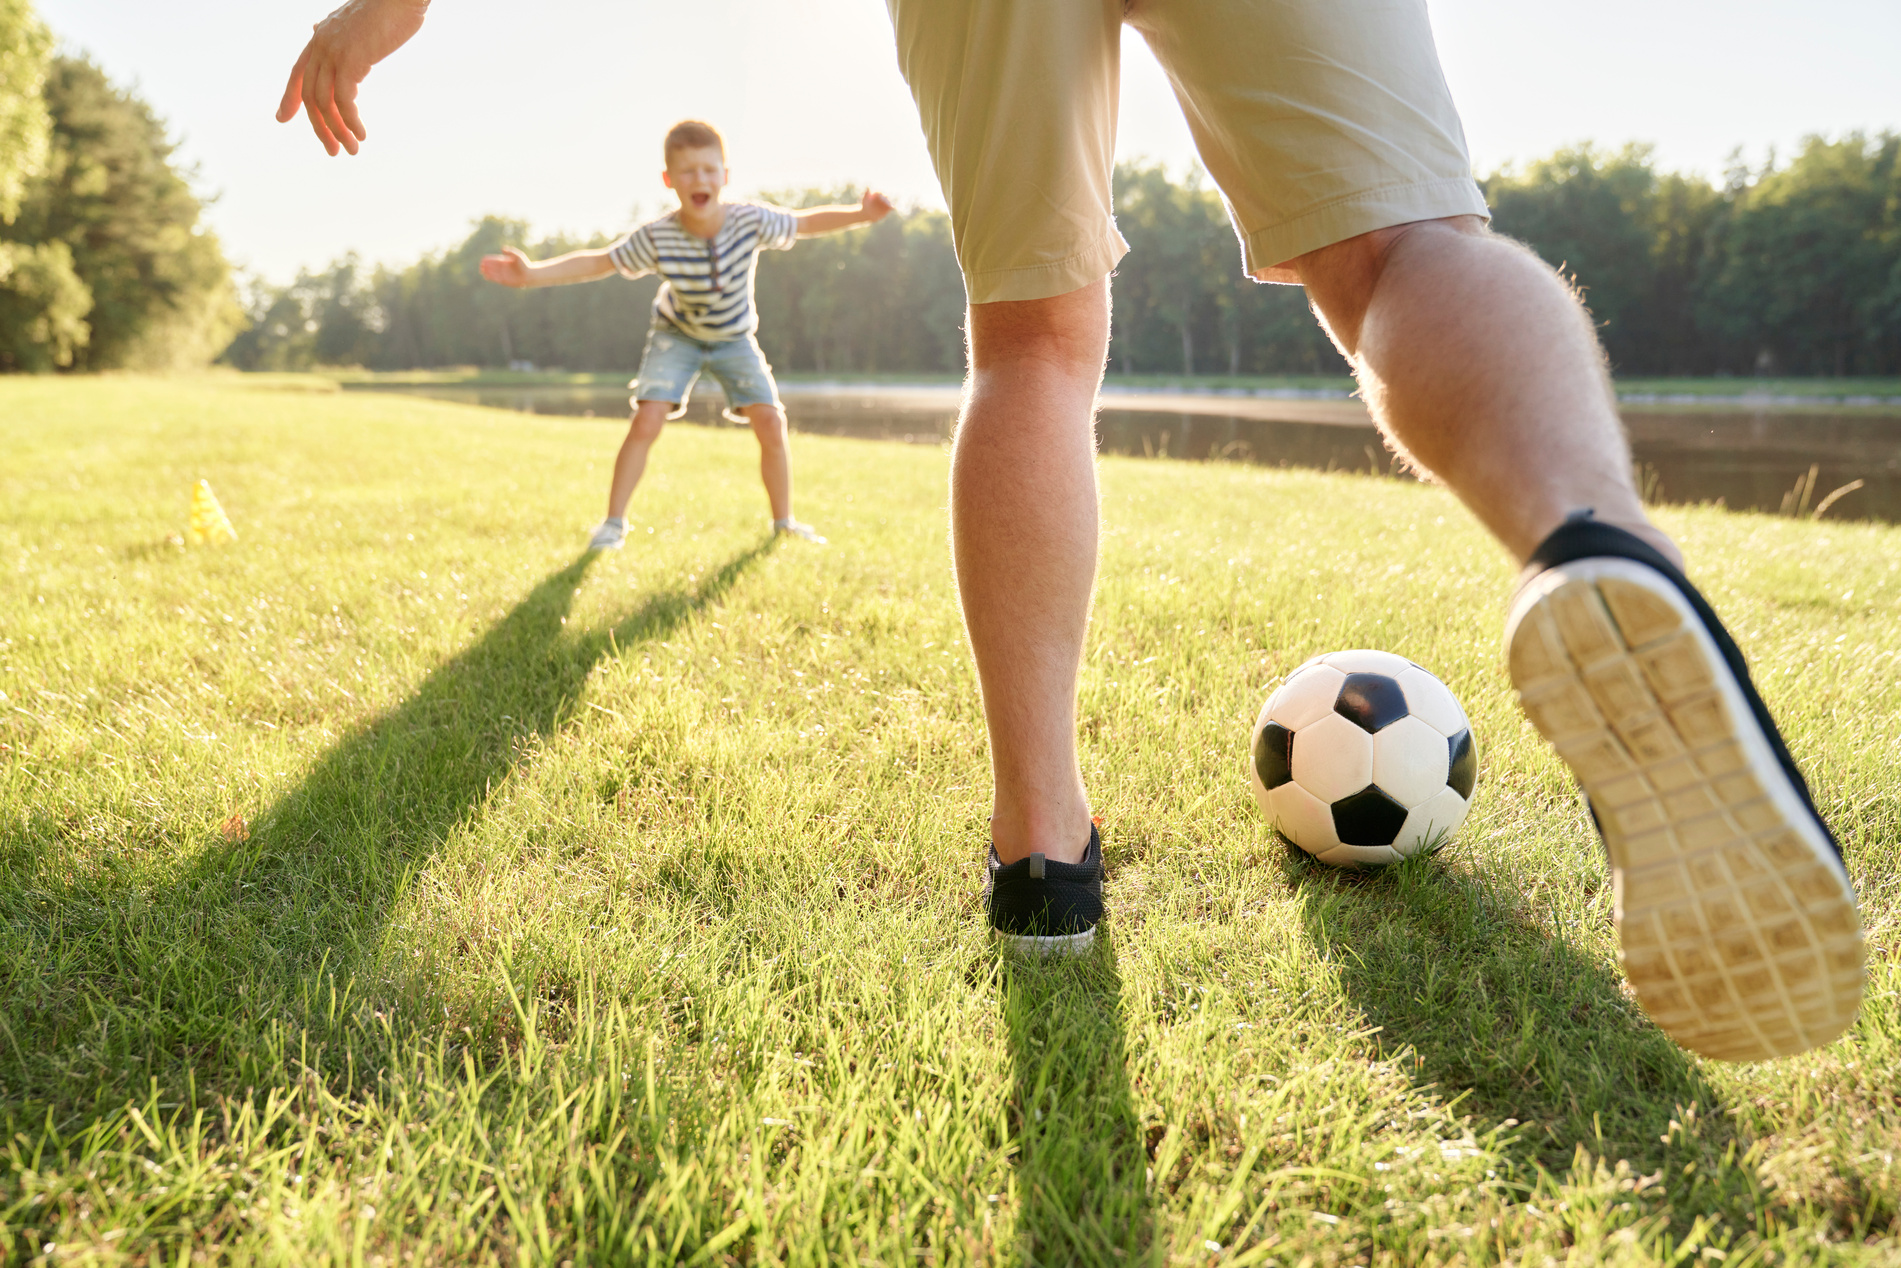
(1775,458)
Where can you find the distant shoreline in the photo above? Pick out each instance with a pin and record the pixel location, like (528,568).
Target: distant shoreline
(1199,394)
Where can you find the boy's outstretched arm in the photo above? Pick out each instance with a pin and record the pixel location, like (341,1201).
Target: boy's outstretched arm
(871,208)
(341,51)
(512,268)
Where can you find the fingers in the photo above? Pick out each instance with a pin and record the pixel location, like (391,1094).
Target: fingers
(317,125)
(346,103)
(327,105)
(294,90)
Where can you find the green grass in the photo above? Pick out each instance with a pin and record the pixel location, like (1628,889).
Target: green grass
(396,886)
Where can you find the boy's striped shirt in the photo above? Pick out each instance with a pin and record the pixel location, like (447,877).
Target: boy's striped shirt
(708,290)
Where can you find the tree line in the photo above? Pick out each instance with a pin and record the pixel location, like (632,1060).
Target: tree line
(104,259)
(1788,268)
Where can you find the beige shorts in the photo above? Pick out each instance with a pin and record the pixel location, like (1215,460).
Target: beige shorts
(1319,119)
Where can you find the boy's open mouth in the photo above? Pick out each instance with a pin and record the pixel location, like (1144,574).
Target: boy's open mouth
(700,200)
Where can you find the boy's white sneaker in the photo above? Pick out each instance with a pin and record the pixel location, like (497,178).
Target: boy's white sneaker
(797,529)
(611,535)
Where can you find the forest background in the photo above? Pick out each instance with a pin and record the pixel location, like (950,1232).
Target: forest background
(1792,267)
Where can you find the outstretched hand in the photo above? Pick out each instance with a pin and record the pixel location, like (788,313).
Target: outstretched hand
(341,51)
(510,268)
(875,206)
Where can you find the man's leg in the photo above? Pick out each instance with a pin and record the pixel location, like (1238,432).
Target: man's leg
(1023,533)
(775,460)
(1735,915)
(631,463)
(1479,363)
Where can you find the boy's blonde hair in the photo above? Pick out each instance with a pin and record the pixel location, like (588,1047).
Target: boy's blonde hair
(691,134)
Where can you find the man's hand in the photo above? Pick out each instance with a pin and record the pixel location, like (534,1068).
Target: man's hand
(875,206)
(341,51)
(510,268)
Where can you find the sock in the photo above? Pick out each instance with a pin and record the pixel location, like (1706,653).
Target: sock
(617,521)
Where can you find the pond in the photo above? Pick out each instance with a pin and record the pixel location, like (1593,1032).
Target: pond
(1784,458)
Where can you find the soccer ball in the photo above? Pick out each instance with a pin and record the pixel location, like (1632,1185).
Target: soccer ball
(1362,758)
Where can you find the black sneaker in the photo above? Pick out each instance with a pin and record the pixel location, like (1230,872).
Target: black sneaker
(1735,916)
(1042,906)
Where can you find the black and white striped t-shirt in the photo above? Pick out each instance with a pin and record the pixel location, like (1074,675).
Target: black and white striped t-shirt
(708,290)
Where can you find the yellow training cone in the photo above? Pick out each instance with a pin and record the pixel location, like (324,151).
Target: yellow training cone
(209,523)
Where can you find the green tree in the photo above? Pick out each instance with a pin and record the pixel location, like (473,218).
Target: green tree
(1633,241)
(1806,278)
(1183,302)
(161,289)
(43,303)
(25,45)
(43,307)
(886,298)
(1588,213)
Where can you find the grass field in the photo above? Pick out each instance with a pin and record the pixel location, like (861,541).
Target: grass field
(396,885)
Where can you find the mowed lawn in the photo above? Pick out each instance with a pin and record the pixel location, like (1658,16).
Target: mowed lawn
(398,885)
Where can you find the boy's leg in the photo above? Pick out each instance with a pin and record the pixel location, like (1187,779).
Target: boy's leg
(1023,533)
(740,367)
(775,459)
(631,463)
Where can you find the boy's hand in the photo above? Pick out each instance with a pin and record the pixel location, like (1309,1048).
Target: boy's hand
(509,268)
(875,206)
(341,51)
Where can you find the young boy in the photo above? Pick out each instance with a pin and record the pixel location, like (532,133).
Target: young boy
(703,317)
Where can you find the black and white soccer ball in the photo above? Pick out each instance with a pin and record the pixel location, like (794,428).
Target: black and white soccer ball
(1362,758)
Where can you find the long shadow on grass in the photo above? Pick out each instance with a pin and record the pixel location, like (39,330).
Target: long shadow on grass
(1082,1164)
(1523,1024)
(209,980)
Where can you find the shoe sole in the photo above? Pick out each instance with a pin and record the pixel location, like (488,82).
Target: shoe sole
(1736,921)
(1051,945)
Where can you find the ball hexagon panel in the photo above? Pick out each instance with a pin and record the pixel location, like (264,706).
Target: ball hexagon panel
(1302,818)
(1371,701)
(1437,817)
(1431,701)
(1410,761)
(1366,661)
(1368,817)
(1307,695)
(1333,758)
(1273,755)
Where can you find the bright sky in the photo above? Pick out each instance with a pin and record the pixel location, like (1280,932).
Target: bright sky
(554,112)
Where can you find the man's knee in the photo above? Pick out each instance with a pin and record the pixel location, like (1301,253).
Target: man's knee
(1069,332)
(1340,278)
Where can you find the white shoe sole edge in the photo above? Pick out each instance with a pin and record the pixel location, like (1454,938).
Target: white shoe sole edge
(1736,921)
(1054,945)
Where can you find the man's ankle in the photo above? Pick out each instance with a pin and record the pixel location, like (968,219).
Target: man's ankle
(1063,838)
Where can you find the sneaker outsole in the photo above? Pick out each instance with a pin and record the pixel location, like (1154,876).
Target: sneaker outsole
(1054,946)
(1736,920)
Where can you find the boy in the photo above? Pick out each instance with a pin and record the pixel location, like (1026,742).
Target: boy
(703,317)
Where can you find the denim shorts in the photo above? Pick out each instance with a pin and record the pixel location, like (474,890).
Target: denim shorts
(672,363)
